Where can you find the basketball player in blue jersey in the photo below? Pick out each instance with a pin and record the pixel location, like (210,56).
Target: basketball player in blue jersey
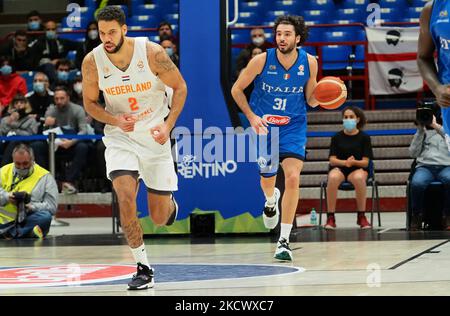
(133,74)
(435,36)
(284,80)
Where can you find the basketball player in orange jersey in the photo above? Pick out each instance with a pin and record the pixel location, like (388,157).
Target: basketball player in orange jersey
(285,79)
(133,74)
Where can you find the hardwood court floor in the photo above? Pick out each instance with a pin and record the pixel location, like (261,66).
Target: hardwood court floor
(345,262)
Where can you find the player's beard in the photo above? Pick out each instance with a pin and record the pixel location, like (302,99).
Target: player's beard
(118,46)
(287,50)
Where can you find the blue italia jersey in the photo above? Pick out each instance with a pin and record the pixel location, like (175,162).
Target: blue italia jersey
(440,31)
(278,95)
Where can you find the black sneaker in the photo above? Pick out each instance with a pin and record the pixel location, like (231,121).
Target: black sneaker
(174,214)
(143,279)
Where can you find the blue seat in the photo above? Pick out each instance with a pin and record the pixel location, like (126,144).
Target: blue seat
(147,9)
(391,14)
(292,6)
(337,36)
(273,15)
(316,34)
(146,21)
(28,76)
(326,5)
(419,3)
(359,57)
(87,13)
(73,36)
(319,16)
(239,38)
(310,50)
(352,15)
(353,4)
(250,18)
(414,13)
(335,57)
(347,186)
(397,4)
(258,7)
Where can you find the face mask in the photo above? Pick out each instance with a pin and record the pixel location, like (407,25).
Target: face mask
(24,173)
(51,35)
(63,75)
(39,87)
(77,87)
(34,25)
(6,70)
(93,34)
(349,124)
(169,51)
(258,41)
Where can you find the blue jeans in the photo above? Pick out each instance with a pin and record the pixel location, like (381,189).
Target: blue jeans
(41,218)
(422,177)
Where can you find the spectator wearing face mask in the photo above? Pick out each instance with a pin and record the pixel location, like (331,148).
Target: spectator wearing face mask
(62,73)
(170,48)
(165,31)
(50,49)
(22,56)
(20,122)
(258,40)
(91,41)
(350,153)
(41,97)
(10,83)
(77,91)
(34,24)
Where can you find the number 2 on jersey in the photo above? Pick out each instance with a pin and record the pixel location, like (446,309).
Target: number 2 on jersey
(280,104)
(133,104)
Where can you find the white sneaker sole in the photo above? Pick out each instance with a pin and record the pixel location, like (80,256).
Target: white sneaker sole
(272,222)
(142,287)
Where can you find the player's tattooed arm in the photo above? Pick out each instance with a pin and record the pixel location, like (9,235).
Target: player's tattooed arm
(161,64)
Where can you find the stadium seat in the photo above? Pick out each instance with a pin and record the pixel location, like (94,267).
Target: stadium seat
(352,15)
(419,3)
(391,14)
(315,34)
(273,15)
(259,7)
(335,57)
(87,13)
(291,6)
(147,9)
(310,50)
(359,57)
(250,18)
(319,16)
(325,5)
(240,38)
(28,76)
(397,4)
(71,55)
(74,36)
(145,21)
(414,13)
(353,4)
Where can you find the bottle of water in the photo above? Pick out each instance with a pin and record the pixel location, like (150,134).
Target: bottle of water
(313,217)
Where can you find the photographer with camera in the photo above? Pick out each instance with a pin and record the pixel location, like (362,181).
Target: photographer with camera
(432,162)
(28,196)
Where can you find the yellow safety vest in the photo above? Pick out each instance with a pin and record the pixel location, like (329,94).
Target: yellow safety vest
(8,212)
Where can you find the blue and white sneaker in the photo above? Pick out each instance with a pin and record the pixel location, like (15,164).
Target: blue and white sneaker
(271,214)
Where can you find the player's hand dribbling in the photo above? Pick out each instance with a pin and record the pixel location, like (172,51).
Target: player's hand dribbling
(126,122)
(259,125)
(442,94)
(160,133)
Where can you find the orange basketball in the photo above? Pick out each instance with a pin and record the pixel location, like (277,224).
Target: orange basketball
(331,92)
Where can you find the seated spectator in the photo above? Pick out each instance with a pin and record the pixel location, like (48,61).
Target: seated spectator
(71,118)
(10,83)
(20,122)
(432,164)
(41,97)
(165,31)
(170,48)
(23,58)
(50,49)
(28,197)
(76,95)
(62,73)
(350,152)
(91,41)
(258,40)
(34,25)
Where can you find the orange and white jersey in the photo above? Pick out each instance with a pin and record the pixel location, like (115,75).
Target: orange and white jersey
(137,90)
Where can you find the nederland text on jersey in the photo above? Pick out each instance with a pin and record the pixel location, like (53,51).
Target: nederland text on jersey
(129,88)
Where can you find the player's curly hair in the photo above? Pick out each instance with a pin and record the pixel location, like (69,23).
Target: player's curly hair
(297,22)
(111,13)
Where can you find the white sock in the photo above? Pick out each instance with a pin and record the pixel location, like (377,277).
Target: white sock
(285,231)
(140,255)
(270,200)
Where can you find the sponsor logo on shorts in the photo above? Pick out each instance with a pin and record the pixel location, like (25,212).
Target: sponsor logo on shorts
(277,119)
(262,162)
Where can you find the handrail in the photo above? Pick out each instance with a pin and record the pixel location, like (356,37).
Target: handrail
(236,13)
